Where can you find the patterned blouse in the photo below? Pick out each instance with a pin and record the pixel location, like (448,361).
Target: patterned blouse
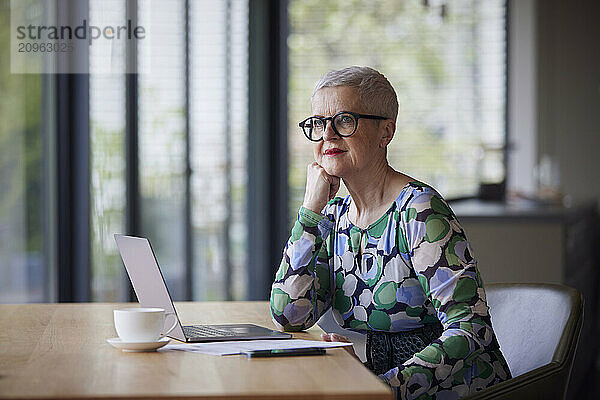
(408,269)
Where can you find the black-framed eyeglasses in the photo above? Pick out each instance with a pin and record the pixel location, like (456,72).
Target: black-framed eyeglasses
(343,123)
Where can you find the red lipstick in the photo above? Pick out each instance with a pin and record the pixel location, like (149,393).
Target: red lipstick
(333,152)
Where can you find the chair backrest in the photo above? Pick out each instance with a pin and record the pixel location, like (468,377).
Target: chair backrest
(537,326)
(529,321)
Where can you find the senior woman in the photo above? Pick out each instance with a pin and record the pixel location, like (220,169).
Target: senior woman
(390,259)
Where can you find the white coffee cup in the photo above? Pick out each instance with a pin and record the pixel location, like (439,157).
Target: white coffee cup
(142,324)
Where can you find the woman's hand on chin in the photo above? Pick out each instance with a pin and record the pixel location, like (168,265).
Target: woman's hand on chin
(320,188)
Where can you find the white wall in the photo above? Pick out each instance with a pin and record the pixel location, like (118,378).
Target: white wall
(522,100)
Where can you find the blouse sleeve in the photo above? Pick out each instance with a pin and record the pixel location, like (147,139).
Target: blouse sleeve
(442,259)
(301,292)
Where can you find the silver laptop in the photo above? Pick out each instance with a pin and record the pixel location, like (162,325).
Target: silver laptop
(151,290)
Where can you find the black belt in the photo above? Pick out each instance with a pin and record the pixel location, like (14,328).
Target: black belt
(387,350)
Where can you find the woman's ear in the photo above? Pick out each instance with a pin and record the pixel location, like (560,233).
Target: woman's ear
(389,127)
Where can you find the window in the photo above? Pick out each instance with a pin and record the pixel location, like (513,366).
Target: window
(191,119)
(107,160)
(26,272)
(187,113)
(219,130)
(447,62)
(162,136)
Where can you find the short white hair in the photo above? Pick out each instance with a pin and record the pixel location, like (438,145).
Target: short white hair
(374,90)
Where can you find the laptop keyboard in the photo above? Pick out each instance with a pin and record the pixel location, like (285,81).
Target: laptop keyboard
(205,331)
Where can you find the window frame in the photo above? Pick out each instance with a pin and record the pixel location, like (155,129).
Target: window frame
(73,239)
(267,143)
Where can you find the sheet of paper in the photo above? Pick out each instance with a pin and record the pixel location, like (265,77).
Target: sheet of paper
(237,347)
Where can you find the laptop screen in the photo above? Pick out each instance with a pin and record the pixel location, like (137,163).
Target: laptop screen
(145,276)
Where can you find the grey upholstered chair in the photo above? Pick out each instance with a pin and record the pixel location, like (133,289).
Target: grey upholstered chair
(537,326)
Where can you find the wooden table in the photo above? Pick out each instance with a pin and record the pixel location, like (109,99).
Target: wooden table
(60,351)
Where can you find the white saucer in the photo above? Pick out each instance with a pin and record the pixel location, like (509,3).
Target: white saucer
(138,346)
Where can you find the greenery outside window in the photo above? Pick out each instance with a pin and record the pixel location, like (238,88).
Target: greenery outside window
(447,62)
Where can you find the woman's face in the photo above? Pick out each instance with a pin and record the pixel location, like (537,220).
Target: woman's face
(347,156)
